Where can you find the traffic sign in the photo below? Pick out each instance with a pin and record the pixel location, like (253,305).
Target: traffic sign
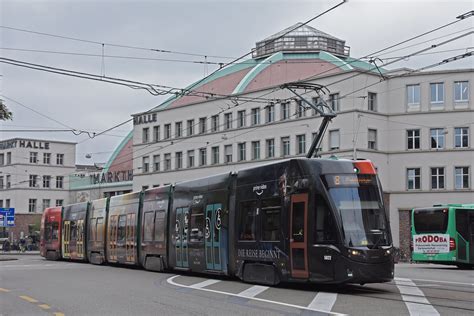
(7,217)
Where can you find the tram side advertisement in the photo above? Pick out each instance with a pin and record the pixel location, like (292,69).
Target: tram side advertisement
(431,243)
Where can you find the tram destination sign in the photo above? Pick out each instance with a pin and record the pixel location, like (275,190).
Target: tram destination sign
(7,217)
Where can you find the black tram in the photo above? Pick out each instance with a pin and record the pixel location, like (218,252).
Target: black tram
(296,220)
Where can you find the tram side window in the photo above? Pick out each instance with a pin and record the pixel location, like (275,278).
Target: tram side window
(197,225)
(92,229)
(48,231)
(73,232)
(271,212)
(121,228)
(148,226)
(248,218)
(160,225)
(324,231)
(100,229)
(55,231)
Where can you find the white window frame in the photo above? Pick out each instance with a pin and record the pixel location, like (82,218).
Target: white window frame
(408,178)
(437,102)
(439,176)
(334,133)
(461,135)
(413,138)
(440,134)
(413,103)
(461,84)
(461,176)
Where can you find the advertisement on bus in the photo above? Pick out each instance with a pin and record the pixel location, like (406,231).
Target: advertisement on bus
(431,243)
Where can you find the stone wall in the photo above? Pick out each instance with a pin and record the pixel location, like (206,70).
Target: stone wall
(405,234)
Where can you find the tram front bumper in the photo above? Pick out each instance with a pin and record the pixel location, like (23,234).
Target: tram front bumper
(362,272)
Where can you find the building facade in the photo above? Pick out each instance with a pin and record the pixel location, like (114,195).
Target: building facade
(416,127)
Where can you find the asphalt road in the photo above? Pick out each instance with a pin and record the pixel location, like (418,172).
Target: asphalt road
(34,286)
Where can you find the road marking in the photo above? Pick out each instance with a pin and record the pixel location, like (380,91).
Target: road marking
(44,306)
(204,284)
(414,298)
(439,281)
(4,290)
(253,291)
(323,301)
(171,281)
(29,299)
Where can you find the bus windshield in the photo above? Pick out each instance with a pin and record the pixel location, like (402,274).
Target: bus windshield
(360,209)
(430,221)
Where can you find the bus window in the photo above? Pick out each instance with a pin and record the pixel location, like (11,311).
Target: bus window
(197,225)
(271,209)
(121,228)
(324,228)
(430,221)
(248,216)
(100,229)
(148,226)
(160,225)
(462,224)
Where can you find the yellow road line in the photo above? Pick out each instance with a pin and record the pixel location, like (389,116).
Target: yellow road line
(44,306)
(4,290)
(29,299)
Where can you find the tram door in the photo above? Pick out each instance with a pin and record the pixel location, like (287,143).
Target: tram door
(66,238)
(80,239)
(299,236)
(130,238)
(213,237)
(113,238)
(181,232)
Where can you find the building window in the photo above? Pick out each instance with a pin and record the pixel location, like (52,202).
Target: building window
(437,92)
(156,163)
(145,132)
(256,150)
(215,123)
(59,182)
(59,159)
(437,138)
(461,91)
(255,116)
(300,109)
(461,137)
(46,158)
(33,183)
(270,145)
(167,131)
(9,158)
(285,146)
(334,139)
(167,162)
(145,164)
(202,125)
(241,118)
(33,157)
(228,121)
(202,156)
(179,160)
(156,133)
(413,139)
(32,206)
(437,178)
(2,159)
(190,158)
(59,202)
(46,203)
(46,181)
(8,181)
(228,153)
(461,177)
(372,101)
(413,96)
(372,139)
(301,144)
(334,102)
(315,101)
(215,155)
(178,129)
(285,111)
(190,128)
(242,151)
(413,179)
(270,113)
(1,183)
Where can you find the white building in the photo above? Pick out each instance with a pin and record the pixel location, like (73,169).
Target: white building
(416,128)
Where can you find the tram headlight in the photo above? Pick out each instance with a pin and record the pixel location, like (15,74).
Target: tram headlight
(354,252)
(388,252)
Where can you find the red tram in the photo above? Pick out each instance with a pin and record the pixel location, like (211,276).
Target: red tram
(296,220)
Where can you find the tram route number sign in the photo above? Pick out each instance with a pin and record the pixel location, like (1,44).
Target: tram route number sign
(7,217)
(431,243)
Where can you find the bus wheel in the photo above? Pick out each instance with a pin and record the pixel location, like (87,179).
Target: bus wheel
(464,266)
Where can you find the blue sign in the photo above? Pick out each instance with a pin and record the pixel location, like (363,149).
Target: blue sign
(7,217)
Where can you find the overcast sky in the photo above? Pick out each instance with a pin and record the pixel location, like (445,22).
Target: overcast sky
(212,28)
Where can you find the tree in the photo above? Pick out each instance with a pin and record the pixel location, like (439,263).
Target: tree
(5,114)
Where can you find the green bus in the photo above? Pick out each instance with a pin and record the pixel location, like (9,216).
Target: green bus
(443,234)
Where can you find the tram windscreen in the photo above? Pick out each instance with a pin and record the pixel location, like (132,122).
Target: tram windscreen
(360,209)
(430,221)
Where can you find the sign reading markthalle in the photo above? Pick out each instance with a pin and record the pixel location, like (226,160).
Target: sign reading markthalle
(431,243)
(7,217)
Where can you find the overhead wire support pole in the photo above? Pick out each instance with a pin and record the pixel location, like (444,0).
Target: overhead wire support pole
(321,107)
